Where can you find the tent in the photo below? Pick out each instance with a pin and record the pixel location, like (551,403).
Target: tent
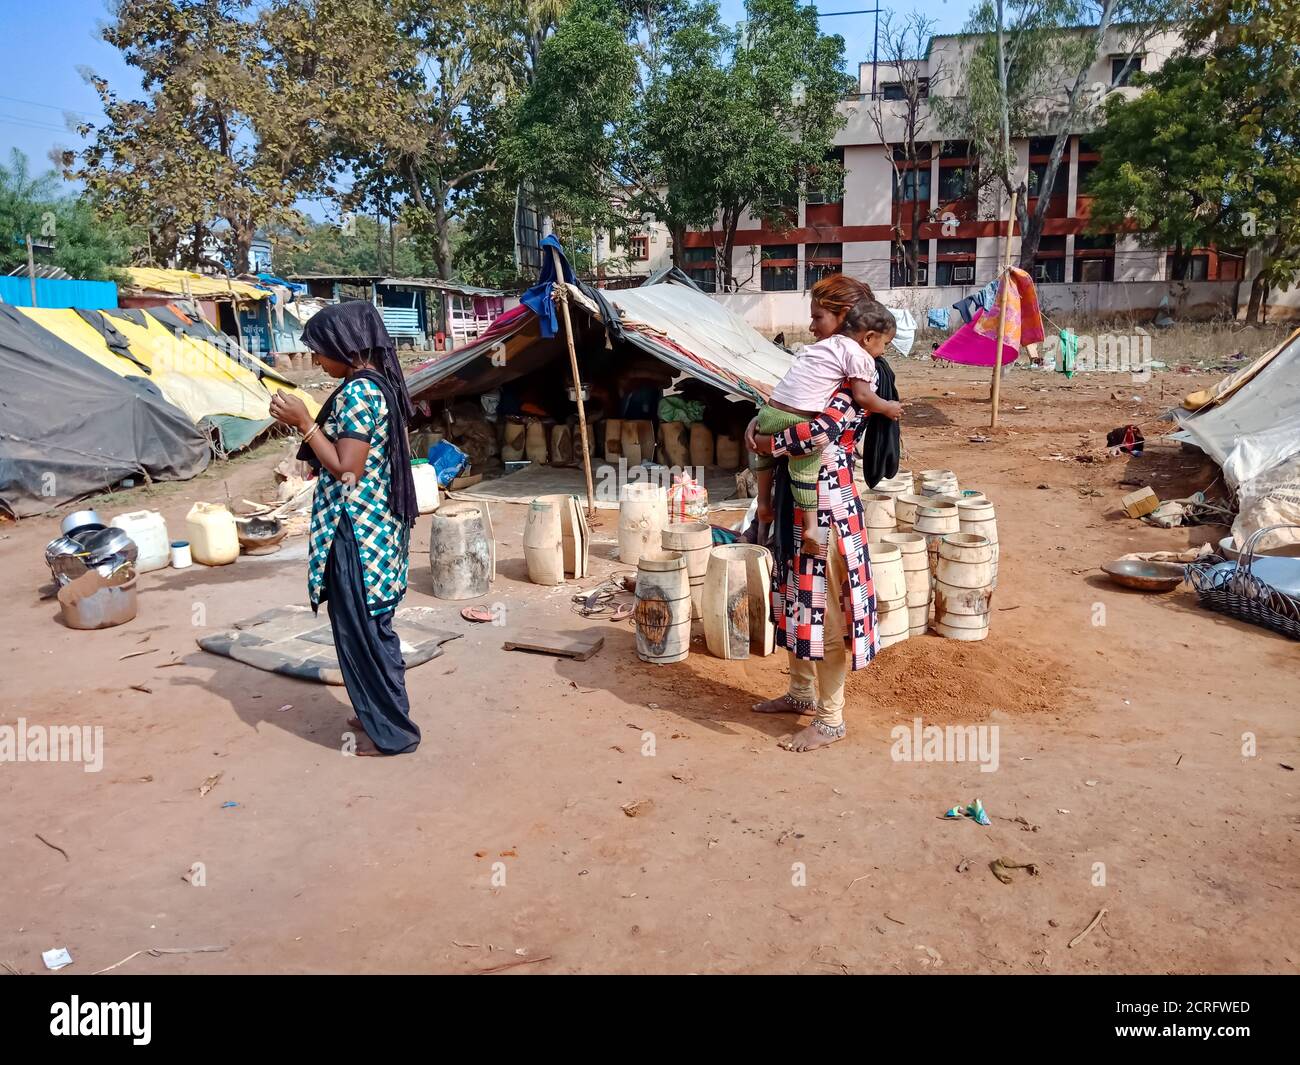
(70,426)
(1250,425)
(677,324)
(230,394)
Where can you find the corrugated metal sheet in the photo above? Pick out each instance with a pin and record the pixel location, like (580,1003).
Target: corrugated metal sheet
(88,295)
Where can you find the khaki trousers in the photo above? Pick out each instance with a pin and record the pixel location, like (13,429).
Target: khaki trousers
(823,682)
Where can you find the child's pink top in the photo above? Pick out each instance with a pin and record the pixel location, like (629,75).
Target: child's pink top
(820,369)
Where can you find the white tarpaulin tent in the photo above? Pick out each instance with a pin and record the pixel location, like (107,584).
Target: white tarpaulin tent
(1250,425)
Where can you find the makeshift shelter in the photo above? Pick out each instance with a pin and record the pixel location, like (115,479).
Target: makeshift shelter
(221,300)
(415,308)
(1250,425)
(632,347)
(222,390)
(70,426)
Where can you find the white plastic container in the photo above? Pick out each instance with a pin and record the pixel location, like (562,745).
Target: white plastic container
(181,554)
(149,531)
(214,538)
(426,485)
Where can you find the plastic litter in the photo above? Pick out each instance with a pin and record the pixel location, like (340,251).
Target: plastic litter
(975,811)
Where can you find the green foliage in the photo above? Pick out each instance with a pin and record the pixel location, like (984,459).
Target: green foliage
(83,244)
(1174,162)
(359,247)
(247,109)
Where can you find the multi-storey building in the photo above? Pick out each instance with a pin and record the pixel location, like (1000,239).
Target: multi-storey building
(858,231)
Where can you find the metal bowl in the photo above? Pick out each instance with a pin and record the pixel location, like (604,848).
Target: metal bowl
(1228,549)
(1145,576)
(80,519)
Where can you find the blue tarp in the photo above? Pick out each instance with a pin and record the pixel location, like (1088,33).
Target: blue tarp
(51,292)
(538,298)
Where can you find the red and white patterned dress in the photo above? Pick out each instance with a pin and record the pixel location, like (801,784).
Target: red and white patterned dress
(799,589)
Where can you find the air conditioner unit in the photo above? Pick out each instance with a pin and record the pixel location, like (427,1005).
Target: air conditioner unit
(1040,272)
(922,275)
(963,273)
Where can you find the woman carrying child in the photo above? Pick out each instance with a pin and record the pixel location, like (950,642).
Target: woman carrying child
(826,632)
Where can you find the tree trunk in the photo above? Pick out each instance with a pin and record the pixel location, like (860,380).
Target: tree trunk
(442,235)
(1181,261)
(1258,291)
(678,232)
(730,223)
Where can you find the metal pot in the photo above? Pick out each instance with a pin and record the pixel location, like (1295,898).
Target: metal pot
(101,543)
(81,519)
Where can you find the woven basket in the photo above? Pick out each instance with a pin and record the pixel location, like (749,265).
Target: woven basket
(1242,595)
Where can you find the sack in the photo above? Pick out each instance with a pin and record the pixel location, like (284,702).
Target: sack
(688,500)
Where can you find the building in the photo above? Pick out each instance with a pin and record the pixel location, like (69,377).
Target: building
(961,240)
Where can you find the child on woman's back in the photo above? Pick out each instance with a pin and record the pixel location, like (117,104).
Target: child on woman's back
(806,389)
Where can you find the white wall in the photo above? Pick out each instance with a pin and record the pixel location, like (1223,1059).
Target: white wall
(774,312)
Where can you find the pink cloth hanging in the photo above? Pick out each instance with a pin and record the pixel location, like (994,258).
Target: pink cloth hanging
(1024,319)
(970,347)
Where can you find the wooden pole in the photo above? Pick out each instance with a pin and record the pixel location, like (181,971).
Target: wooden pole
(560,291)
(1002,314)
(31,268)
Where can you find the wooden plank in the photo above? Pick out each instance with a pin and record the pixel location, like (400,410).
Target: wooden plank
(579,647)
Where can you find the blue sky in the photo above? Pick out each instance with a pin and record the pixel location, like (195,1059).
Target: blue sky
(44,45)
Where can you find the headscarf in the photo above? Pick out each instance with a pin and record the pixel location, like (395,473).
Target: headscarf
(354,333)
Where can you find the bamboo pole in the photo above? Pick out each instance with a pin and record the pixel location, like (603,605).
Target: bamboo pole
(995,392)
(560,291)
(31,268)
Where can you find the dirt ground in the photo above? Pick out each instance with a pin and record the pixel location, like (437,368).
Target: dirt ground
(503,840)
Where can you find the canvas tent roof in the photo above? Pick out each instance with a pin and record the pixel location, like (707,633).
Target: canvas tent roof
(1251,421)
(676,323)
(184,283)
(70,426)
(197,376)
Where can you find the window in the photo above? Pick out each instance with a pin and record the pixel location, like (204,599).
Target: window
(1042,145)
(638,249)
(1094,269)
(915,186)
(955,150)
(706,279)
(698,255)
(956,183)
(1051,244)
(1122,69)
(1198,268)
(900,278)
(1085,175)
(780,270)
(1049,271)
(821,260)
(1038,176)
(1094,242)
(957,247)
(833,190)
(893,90)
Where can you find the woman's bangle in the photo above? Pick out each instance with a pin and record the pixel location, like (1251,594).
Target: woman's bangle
(311,432)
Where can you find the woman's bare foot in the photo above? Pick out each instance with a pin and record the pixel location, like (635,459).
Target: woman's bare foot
(369,750)
(783,705)
(811,738)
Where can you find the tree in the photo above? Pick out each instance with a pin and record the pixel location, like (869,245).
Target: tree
(1027,75)
(356,247)
(246,111)
(1173,163)
(1252,50)
(901,124)
(65,227)
(764,118)
(598,135)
